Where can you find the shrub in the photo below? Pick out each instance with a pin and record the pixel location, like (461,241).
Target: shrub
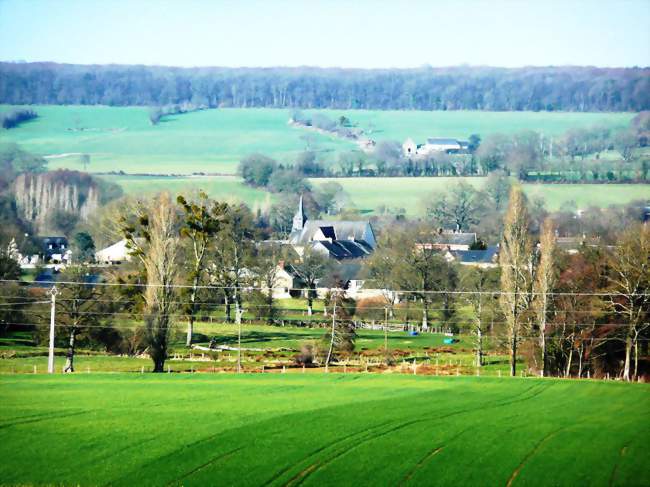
(15,117)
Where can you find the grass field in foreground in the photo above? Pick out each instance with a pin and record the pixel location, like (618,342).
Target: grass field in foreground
(370,193)
(327,429)
(122,138)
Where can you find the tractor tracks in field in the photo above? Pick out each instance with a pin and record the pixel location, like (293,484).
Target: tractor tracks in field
(325,447)
(621,454)
(212,461)
(425,459)
(42,417)
(338,451)
(532,453)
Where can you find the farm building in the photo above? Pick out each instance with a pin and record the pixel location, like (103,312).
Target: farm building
(450,240)
(335,239)
(434,145)
(114,254)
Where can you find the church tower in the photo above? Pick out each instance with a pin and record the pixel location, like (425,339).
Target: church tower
(300,218)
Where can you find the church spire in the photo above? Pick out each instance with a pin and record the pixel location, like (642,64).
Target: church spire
(300,218)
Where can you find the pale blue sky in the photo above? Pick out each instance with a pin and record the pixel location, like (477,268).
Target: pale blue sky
(350,33)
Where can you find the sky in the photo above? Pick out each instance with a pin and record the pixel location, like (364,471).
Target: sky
(344,33)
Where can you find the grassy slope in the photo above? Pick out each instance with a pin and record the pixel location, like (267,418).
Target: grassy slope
(399,125)
(321,430)
(215,140)
(123,139)
(226,188)
(369,193)
(407,192)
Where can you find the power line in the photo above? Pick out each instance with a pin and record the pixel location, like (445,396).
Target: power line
(264,288)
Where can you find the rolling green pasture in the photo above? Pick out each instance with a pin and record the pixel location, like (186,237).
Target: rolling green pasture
(369,193)
(224,188)
(321,429)
(122,138)
(419,125)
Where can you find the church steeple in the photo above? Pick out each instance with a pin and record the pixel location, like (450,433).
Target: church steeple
(300,218)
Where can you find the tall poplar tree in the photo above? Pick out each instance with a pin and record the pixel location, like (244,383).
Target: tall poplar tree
(516,261)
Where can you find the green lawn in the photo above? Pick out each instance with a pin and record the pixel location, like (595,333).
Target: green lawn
(225,188)
(369,193)
(406,193)
(419,125)
(123,139)
(320,429)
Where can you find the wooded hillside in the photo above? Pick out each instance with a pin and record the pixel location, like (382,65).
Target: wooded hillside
(426,88)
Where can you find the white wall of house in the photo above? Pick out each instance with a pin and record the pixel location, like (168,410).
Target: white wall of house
(118,252)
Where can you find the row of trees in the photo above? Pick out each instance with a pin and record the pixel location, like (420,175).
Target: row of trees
(426,88)
(569,314)
(566,314)
(15,117)
(573,156)
(156,114)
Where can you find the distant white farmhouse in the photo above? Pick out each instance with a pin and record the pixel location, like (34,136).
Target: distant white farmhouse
(114,254)
(433,145)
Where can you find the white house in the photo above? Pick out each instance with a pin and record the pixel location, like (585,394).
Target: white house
(433,145)
(114,254)
(410,148)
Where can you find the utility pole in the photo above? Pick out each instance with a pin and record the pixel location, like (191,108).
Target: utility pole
(50,358)
(386,334)
(238,314)
(329,353)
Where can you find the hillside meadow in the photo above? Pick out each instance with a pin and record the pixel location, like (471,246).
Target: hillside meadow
(321,429)
(123,138)
(367,194)
(419,125)
(213,141)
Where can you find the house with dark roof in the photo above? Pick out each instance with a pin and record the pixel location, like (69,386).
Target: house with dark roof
(572,245)
(450,240)
(338,240)
(486,258)
(55,249)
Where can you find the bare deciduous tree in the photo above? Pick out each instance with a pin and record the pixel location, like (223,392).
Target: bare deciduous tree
(630,288)
(158,224)
(544,282)
(516,270)
(201,223)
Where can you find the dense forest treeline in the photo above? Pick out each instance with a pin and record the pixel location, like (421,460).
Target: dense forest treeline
(455,88)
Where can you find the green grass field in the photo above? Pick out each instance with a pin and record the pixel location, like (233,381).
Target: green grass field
(122,138)
(419,125)
(224,188)
(321,429)
(369,193)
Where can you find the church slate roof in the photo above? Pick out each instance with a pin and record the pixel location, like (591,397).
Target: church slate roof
(345,249)
(343,230)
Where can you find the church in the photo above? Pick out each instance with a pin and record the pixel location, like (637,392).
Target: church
(335,239)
